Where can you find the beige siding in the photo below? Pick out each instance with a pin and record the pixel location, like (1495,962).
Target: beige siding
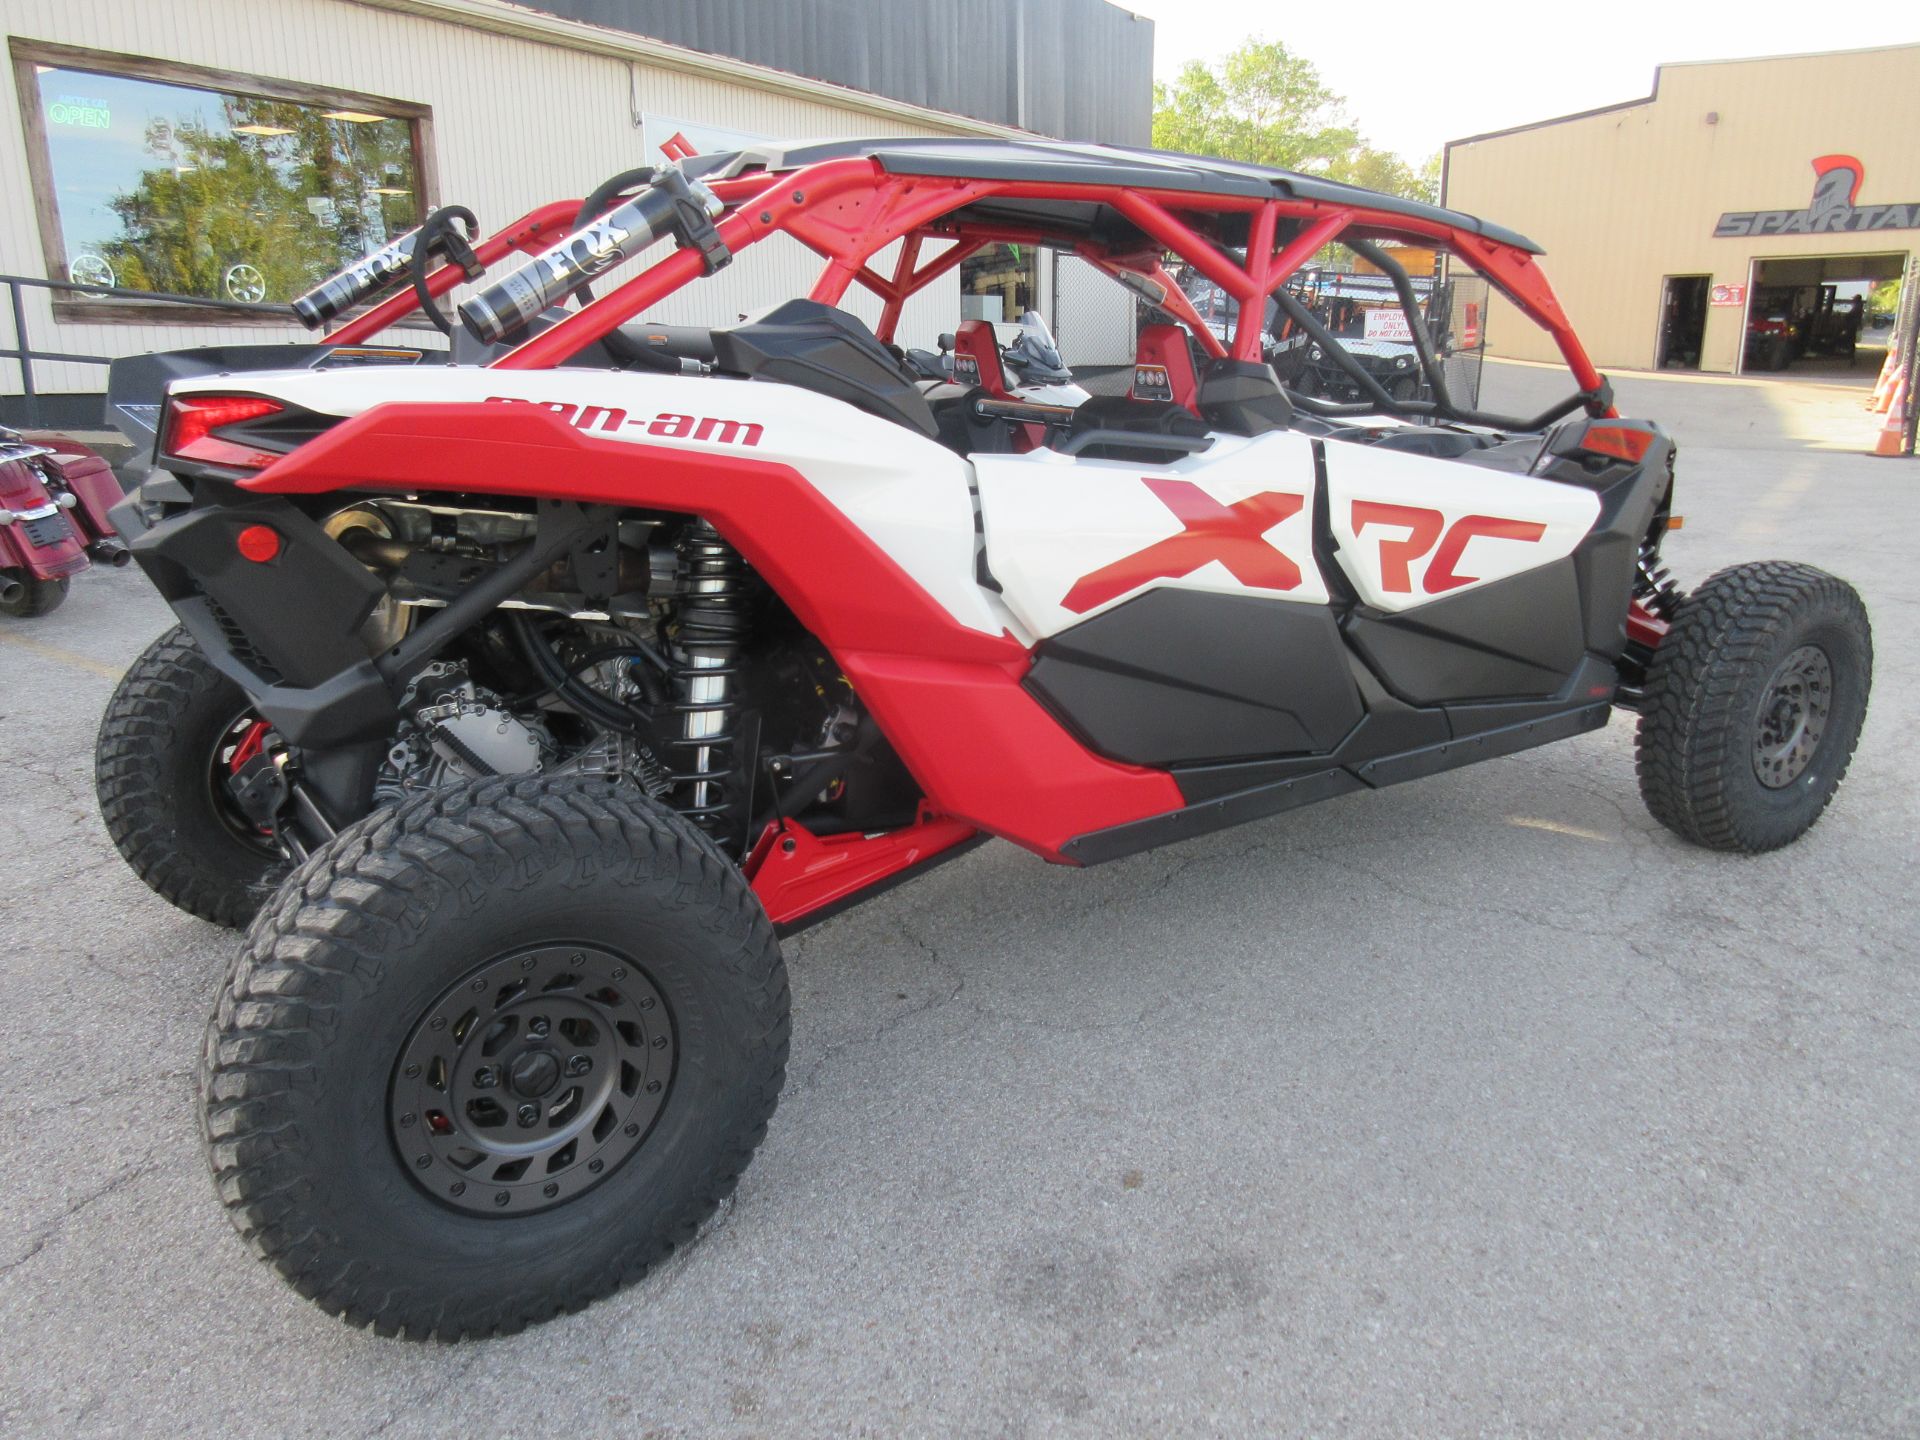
(1625,197)
(516,123)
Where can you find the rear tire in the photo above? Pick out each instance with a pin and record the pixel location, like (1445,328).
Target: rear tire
(35,597)
(1755,699)
(155,776)
(365,1147)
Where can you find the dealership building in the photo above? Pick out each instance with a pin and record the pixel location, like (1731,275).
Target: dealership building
(1725,223)
(237,152)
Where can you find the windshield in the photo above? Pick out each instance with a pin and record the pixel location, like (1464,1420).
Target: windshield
(1035,348)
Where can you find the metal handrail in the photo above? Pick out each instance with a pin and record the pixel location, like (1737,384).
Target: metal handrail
(23,352)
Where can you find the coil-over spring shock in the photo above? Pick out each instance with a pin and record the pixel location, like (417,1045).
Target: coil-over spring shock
(714,620)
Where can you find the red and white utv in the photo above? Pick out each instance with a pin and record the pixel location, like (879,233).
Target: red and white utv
(521,705)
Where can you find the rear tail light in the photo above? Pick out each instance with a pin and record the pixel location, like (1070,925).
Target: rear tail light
(1622,442)
(193,426)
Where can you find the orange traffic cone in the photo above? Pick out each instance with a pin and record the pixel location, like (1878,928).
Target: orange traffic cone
(1893,435)
(1883,387)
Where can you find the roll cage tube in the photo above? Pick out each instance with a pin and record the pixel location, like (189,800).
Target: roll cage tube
(847,210)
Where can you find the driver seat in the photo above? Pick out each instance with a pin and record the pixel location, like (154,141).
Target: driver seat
(1163,368)
(976,349)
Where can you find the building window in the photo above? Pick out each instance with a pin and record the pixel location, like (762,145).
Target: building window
(998,282)
(163,177)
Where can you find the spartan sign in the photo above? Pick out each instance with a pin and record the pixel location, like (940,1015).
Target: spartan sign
(1833,208)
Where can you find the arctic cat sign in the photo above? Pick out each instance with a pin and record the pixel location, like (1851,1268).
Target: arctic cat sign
(1831,210)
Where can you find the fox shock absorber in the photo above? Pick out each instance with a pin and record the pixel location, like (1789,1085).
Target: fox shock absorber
(671,205)
(387,266)
(714,623)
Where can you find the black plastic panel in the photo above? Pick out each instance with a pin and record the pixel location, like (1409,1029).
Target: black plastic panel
(830,352)
(1184,676)
(1512,639)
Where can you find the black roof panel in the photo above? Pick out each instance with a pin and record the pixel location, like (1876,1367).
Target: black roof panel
(1064,163)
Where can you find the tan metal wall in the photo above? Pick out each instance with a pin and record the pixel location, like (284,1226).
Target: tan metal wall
(1624,197)
(517,121)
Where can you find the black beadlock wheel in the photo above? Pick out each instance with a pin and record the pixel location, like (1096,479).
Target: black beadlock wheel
(28,597)
(173,732)
(492,1053)
(1755,701)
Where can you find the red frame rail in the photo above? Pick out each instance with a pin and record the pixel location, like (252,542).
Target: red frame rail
(848,210)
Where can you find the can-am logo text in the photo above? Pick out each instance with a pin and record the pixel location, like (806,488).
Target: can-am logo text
(667,425)
(1832,209)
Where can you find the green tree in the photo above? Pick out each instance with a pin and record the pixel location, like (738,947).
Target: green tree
(295,205)
(1265,104)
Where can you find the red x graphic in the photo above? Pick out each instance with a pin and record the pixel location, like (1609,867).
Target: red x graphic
(1227,533)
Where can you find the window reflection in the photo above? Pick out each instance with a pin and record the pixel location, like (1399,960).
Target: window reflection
(216,195)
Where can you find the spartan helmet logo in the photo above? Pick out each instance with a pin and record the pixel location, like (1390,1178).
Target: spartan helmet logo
(1836,187)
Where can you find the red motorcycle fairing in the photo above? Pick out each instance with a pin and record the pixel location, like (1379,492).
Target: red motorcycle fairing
(37,536)
(91,479)
(948,698)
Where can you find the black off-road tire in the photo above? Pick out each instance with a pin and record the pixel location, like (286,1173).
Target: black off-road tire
(302,1074)
(35,597)
(1702,723)
(152,775)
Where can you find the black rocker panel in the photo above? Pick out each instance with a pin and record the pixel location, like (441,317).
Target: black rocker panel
(1516,638)
(1181,676)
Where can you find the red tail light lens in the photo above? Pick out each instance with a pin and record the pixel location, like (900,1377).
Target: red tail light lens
(1623,442)
(194,423)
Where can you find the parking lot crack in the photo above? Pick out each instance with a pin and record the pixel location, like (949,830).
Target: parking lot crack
(49,1232)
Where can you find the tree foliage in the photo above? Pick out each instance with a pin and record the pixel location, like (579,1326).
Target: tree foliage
(295,205)
(1267,105)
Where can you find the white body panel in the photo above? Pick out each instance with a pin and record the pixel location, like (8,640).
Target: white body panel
(1374,553)
(909,495)
(1053,520)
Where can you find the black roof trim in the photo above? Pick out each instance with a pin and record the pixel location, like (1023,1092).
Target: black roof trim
(1062,163)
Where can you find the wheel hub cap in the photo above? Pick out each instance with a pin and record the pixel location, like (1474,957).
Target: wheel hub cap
(1792,717)
(532,1079)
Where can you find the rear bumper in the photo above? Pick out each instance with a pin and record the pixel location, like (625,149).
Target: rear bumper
(286,631)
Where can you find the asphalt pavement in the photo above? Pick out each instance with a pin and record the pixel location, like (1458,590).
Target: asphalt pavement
(1478,1106)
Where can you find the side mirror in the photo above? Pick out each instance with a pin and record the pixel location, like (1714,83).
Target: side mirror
(945,342)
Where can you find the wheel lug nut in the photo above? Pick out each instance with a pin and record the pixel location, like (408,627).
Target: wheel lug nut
(633,1130)
(579,1064)
(459,1187)
(529,1114)
(407,1120)
(653,1087)
(485,1078)
(538,1027)
(423,1162)
(500,1197)
(550,1190)
(596,1166)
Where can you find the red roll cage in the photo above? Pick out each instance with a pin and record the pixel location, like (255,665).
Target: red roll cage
(847,210)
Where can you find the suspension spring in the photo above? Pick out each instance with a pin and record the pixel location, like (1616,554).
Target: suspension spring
(1654,585)
(705,769)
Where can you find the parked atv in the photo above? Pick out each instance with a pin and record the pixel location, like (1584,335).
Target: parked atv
(55,495)
(525,706)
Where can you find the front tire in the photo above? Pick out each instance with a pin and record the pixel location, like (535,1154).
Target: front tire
(557,972)
(160,766)
(34,597)
(1754,704)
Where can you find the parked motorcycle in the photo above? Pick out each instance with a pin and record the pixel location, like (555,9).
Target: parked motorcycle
(54,498)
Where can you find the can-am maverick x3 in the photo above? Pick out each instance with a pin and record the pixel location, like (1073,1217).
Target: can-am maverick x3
(528,703)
